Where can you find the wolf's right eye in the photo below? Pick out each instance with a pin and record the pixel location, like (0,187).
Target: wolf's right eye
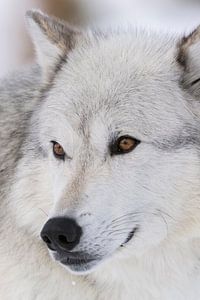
(58,150)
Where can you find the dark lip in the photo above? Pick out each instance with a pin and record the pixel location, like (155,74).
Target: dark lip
(74,258)
(130,236)
(76,261)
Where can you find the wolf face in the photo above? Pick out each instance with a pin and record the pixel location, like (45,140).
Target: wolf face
(113,147)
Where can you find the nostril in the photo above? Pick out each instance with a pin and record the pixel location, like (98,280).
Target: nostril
(50,244)
(46,239)
(62,239)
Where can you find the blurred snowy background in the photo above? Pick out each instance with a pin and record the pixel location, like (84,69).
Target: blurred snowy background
(178,16)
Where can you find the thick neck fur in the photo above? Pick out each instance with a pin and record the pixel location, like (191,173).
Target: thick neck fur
(168,272)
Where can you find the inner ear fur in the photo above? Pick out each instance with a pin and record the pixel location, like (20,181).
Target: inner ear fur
(189,59)
(53,40)
(58,32)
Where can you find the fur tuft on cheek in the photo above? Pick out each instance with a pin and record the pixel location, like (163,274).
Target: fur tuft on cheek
(31,183)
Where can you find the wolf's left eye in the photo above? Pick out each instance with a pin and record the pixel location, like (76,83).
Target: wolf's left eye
(124,144)
(58,150)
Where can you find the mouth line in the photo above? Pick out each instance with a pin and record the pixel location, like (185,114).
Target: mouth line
(130,236)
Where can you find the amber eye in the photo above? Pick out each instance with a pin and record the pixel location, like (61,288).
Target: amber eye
(123,145)
(58,150)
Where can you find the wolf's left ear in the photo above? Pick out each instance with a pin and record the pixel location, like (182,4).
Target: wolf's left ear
(189,59)
(53,39)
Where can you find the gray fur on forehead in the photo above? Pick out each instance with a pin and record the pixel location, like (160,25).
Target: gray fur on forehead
(152,52)
(119,61)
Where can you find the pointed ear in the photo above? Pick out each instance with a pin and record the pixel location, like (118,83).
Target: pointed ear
(53,40)
(189,59)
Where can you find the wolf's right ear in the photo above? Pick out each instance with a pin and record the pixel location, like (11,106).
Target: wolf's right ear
(53,40)
(189,59)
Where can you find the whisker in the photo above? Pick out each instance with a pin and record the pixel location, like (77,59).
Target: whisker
(168,215)
(119,233)
(124,222)
(124,216)
(164,220)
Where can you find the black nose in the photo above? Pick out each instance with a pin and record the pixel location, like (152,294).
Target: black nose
(61,234)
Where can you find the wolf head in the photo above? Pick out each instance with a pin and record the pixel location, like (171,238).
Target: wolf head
(111,160)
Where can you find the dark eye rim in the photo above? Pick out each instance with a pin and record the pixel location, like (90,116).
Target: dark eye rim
(61,157)
(115,149)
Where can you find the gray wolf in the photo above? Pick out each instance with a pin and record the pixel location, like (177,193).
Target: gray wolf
(100,167)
